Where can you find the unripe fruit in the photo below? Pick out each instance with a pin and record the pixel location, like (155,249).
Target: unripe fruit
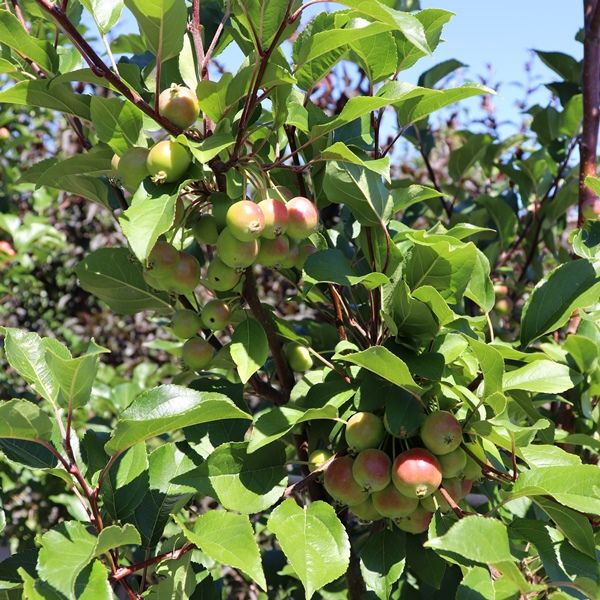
(167,161)
(302,254)
(245,220)
(235,253)
(371,469)
(276,217)
(453,463)
(340,484)
(153,281)
(132,168)
(4,133)
(317,458)
(417,522)
(303,218)
(434,502)
(186,323)
(503,306)
(216,315)
(162,260)
(298,356)
(280,192)
(221,278)
(441,432)
(364,430)
(180,105)
(366,511)
(197,353)
(205,230)
(390,503)
(472,470)
(457,488)
(221,203)
(416,473)
(186,275)
(273,253)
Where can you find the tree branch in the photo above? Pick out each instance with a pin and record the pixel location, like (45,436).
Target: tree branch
(99,66)
(591,98)
(284,373)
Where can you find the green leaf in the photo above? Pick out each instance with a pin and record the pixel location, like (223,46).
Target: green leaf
(166,408)
(307,535)
(405,197)
(576,527)
(400,21)
(491,363)
(208,148)
(382,362)
(361,189)
(339,151)
(42,94)
(562,64)
(25,353)
(146,220)
(377,55)
(249,348)
(475,538)
(23,420)
(106,13)
(278,421)
(13,35)
(246,483)
(542,376)
(382,561)
(75,376)
(176,580)
(162,24)
(115,277)
(575,486)
(332,266)
(413,103)
(123,488)
(572,285)
(464,157)
(66,551)
(115,536)
(544,455)
(477,584)
(430,77)
(444,266)
(163,497)
(118,123)
(228,539)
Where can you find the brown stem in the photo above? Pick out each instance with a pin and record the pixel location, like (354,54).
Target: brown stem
(591,98)
(196,30)
(100,68)
(339,319)
(214,42)
(19,14)
(173,554)
(432,175)
(458,511)
(284,373)
(251,98)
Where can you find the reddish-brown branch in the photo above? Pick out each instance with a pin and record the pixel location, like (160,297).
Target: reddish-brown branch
(458,511)
(99,66)
(591,98)
(214,42)
(339,318)
(172,555)
(196,30)
(284,373)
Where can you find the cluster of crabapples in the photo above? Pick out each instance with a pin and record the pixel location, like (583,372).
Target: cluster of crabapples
(407,488)
(271,230)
